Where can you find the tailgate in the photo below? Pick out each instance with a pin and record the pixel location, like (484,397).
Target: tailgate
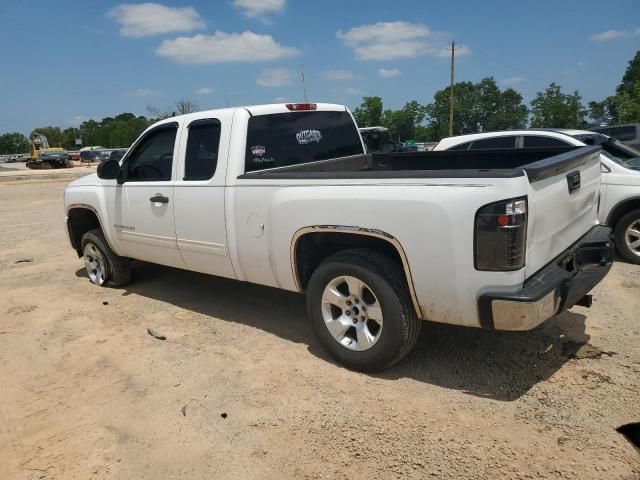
(563,203)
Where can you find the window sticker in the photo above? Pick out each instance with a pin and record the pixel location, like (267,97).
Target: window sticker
(307,136)
(261,160)
(258,150)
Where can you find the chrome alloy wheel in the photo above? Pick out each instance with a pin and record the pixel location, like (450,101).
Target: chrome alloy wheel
(95,264)
(632,237)
(352,313)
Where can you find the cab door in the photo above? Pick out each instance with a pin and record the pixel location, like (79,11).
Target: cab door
(144,199)
(200,195)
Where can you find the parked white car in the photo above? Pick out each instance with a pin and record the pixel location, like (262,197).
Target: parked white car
(283,195)
(619,203)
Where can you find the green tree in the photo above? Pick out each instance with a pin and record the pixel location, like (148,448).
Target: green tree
(69,139)
(113,132)
(477,106)
(369,113)
(554,109)
(628,105)
(509,112)
(605,108)
(13,142)
(631,77)
(627,98)
(404,122)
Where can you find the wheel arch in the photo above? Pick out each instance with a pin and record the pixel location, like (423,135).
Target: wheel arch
(311,245)
(621,209)
(82,218)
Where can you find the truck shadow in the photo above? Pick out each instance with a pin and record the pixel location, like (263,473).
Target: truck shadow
(496,365)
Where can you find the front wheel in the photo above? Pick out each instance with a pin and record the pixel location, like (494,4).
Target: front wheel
(360,308)
(103,265)
(627,235)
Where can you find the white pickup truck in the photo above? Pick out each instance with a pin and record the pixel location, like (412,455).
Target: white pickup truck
(283,195)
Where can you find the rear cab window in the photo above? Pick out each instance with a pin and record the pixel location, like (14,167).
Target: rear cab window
(294,138)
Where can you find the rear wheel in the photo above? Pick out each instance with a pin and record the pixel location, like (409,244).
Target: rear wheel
(361,310)
(102,264)
(627,235)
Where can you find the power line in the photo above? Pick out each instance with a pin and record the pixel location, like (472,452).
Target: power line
(510,67)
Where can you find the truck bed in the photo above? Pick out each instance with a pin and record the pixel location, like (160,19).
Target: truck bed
(537,163)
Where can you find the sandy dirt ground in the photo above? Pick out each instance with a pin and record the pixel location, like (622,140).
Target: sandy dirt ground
(241,389)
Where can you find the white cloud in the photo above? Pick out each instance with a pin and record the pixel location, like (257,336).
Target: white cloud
(225,47)
(144,92)
(76,120)
(516,80)
(275,77)
(279,100)
(338,74)
(392,40)
(204,91)
(615,34)
(388,72)
(353,91)
(383,32)
(254,8)
(146,19)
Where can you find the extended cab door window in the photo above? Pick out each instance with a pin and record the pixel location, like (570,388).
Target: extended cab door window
(284,139)
(152,158)
(203,143)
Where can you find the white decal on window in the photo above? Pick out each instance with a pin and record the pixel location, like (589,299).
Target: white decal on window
(258,150)
(263,160)
(308,136)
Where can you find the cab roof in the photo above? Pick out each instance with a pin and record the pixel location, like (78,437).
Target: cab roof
(266,109)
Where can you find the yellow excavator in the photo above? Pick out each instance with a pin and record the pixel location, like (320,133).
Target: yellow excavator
(43,156)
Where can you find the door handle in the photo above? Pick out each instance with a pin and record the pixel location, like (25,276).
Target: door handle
(573,181)
(159,198)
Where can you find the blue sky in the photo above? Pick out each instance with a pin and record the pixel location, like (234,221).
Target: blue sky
(65,61)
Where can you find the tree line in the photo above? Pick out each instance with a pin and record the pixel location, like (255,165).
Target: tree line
(110,132)
(480,106)
(483,106)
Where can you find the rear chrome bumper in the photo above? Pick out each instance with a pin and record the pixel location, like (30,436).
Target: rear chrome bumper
(557,286)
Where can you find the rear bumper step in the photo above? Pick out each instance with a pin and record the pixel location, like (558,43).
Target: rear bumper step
(559,285)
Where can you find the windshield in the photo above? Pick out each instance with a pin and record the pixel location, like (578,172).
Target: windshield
(613,149)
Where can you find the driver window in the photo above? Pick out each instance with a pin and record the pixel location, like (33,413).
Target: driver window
(152,158)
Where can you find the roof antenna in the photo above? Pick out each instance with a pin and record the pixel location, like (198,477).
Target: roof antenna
(304,83)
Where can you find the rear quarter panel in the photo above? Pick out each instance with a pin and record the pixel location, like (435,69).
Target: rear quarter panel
(432,219)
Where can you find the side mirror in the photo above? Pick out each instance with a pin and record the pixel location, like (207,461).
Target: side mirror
(108,170)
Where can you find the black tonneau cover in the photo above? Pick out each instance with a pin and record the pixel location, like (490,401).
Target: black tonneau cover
(537,163)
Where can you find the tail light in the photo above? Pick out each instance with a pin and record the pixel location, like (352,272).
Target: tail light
(501,235)
(298,107)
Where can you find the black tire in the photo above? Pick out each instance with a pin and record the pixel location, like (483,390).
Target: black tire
(118,268)
(385,278)
(620,231)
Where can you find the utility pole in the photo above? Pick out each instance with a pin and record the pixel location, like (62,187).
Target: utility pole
(453,54)
(304,84)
